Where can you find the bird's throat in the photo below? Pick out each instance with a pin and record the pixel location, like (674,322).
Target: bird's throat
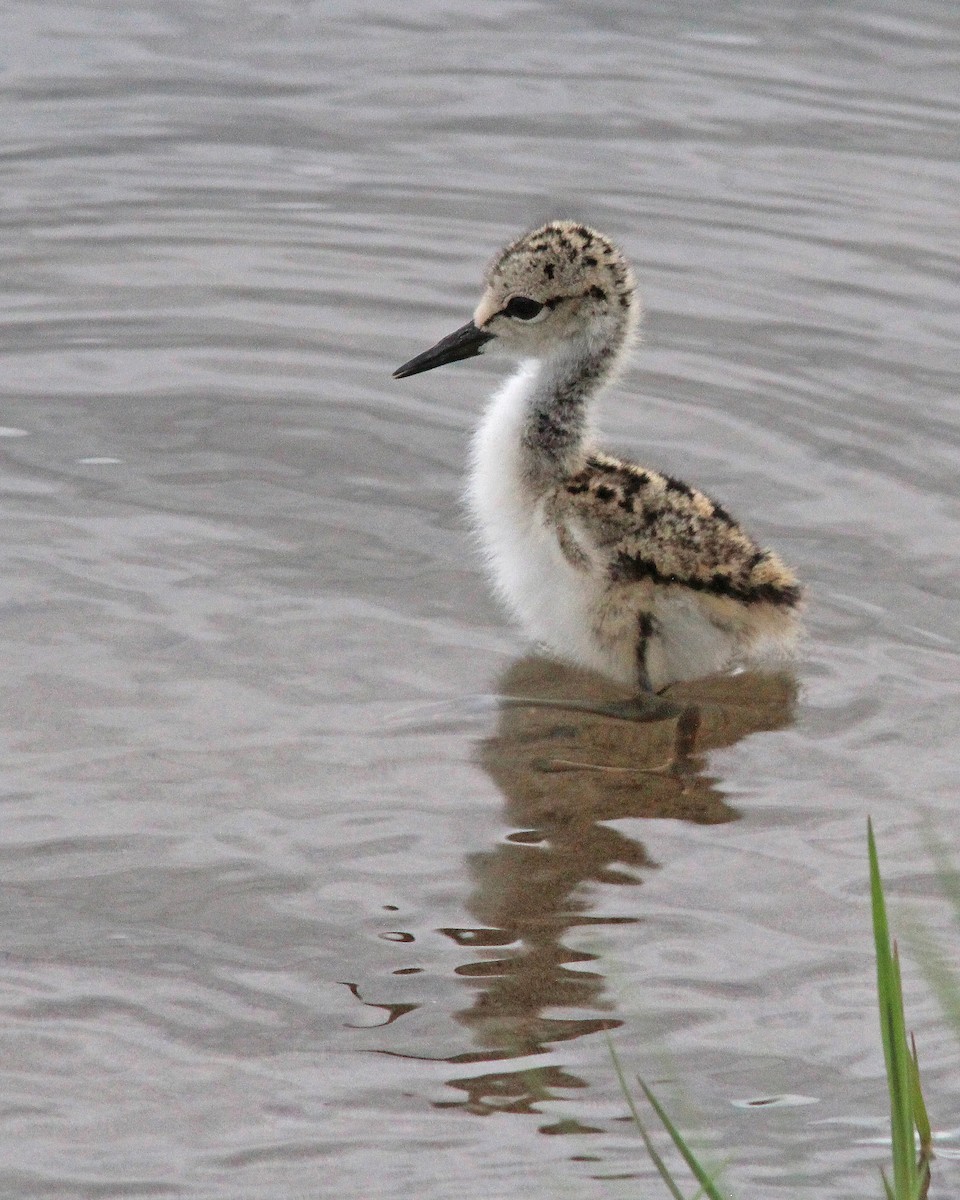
(556,427)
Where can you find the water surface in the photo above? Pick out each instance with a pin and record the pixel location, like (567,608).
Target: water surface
(292,906)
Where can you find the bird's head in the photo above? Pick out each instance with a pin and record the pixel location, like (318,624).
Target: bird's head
(561,285)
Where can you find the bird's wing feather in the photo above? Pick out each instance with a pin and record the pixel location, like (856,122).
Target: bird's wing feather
(649,526)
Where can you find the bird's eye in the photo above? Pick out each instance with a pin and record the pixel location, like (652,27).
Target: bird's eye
(524,308)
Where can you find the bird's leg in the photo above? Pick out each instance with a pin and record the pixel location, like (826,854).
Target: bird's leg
(645,632)
(646,705)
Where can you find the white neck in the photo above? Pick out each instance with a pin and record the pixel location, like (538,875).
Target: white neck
(537,429)
(510,480)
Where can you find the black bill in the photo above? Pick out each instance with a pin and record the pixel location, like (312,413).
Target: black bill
(467,341)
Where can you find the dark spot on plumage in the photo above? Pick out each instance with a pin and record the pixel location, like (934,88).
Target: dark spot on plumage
(552,302)
(605,493)
(722,584)
(678,486)
(634,568)
(577,489)
(597,292)
(546,427)
(722,515)
(553,430)
(634,481)
(624,301)
(761,556)
(590,260)
(599,464)
(782,595)
(585,234)
(549,271)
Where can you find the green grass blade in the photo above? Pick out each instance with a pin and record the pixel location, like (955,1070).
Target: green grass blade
(707,1184)
(886,1184)
(922,1119)
(896,1053)
(651,1149)
(881,941)
(920,1115)
(906,1119)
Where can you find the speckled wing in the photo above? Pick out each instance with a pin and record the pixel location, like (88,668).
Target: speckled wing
(658,529)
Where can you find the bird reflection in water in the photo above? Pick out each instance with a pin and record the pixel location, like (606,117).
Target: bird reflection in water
(564,773)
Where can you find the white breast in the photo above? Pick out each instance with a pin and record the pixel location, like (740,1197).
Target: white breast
(552,600)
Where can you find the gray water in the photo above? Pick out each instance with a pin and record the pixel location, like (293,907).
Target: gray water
(291,906)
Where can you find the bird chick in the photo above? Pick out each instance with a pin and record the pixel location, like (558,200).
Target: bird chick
(610,565)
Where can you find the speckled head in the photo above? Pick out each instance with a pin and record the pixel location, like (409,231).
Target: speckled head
(563,285)
(561,281)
